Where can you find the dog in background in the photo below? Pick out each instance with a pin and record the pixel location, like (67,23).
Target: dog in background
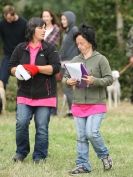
(114,90)
(2,98)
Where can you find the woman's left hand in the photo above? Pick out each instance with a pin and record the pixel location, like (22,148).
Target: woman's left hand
(89,79)
(71,82)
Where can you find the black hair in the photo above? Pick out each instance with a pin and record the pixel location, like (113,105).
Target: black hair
(31,25)
(88,33)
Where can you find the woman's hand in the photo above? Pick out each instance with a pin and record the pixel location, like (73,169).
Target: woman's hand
(89,79)
(71,82)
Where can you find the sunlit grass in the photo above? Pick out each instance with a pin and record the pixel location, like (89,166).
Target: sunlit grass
(117,129)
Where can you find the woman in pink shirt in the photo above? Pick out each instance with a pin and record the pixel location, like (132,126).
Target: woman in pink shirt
(89,100)
(36,93)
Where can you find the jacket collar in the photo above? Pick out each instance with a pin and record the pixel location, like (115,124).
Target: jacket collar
(44,46)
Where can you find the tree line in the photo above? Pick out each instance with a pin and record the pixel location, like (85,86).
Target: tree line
(111,19)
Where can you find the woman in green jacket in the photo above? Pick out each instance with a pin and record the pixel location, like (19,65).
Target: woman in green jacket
(89,106)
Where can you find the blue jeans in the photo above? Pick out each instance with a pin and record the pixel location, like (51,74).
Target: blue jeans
(41,118)
(4,74)
(88,131)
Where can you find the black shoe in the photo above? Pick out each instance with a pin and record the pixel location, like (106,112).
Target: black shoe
(18,158)
(69,115)
(107,163)
(79,170)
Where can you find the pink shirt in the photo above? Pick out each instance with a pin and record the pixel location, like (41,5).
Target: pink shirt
(51,102)
(85,110)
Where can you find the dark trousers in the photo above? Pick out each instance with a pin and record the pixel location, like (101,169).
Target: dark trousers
(4,73)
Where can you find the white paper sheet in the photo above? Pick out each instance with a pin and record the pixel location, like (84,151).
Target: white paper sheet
(74,69)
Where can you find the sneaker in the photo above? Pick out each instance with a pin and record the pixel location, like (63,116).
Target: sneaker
(79,170)
(107,163)
(18,158)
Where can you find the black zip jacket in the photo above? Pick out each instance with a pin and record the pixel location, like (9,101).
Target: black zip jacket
(41,85)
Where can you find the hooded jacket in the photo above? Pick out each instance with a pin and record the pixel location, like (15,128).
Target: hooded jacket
(68,48)
(98,66)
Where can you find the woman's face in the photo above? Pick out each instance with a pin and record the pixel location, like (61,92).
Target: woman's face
(64,21)
(39,33)
(83,45)
(47,17)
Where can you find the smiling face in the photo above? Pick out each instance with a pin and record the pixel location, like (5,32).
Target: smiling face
(83,45)
(39,33)
(47,17)
(64,21)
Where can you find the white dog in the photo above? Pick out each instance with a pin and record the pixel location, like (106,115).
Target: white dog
(114,91)
(2,98)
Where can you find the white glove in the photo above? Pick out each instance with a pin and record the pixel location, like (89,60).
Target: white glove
(21,73)
(18,76)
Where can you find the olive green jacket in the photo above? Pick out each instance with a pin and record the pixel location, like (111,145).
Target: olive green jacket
(98,66)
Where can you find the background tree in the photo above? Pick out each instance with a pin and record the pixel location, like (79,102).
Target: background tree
(111,19)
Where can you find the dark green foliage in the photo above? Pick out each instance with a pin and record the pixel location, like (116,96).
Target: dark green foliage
(11,92)
(102,15)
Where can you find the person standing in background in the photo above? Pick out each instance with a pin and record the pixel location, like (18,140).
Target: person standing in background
(68,48)
(37,95)
(52,36)
(89,102)
(12,32)
(129,53)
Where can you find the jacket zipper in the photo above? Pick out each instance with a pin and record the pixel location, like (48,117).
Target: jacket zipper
(47,87)
(85,88)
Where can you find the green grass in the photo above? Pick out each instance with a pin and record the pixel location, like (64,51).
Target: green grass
(117,129)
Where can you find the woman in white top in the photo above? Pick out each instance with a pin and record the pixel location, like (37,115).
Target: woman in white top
(52,34)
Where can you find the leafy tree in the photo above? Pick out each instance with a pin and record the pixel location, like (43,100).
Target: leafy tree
(110,18)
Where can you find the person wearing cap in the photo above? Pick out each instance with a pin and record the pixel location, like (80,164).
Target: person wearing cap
(12,32)
(68,48)
(89,102)
(36,95)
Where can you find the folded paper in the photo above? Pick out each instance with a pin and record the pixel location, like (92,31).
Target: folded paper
(77,71)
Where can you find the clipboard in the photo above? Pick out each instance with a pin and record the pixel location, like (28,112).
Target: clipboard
(77,71)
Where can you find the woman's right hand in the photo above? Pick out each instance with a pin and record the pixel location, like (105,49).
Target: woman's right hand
(71,82)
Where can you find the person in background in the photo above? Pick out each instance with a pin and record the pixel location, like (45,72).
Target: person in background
(68,48)
(52,35)
(37,95)
(89,102)
(129,52)
(12,32)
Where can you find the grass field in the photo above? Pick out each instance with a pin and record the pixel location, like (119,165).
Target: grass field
(117,129)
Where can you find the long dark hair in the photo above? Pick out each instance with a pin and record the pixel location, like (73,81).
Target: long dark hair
(52,15)
(31,25)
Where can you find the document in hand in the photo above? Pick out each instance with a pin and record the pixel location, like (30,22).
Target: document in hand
(77,72)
